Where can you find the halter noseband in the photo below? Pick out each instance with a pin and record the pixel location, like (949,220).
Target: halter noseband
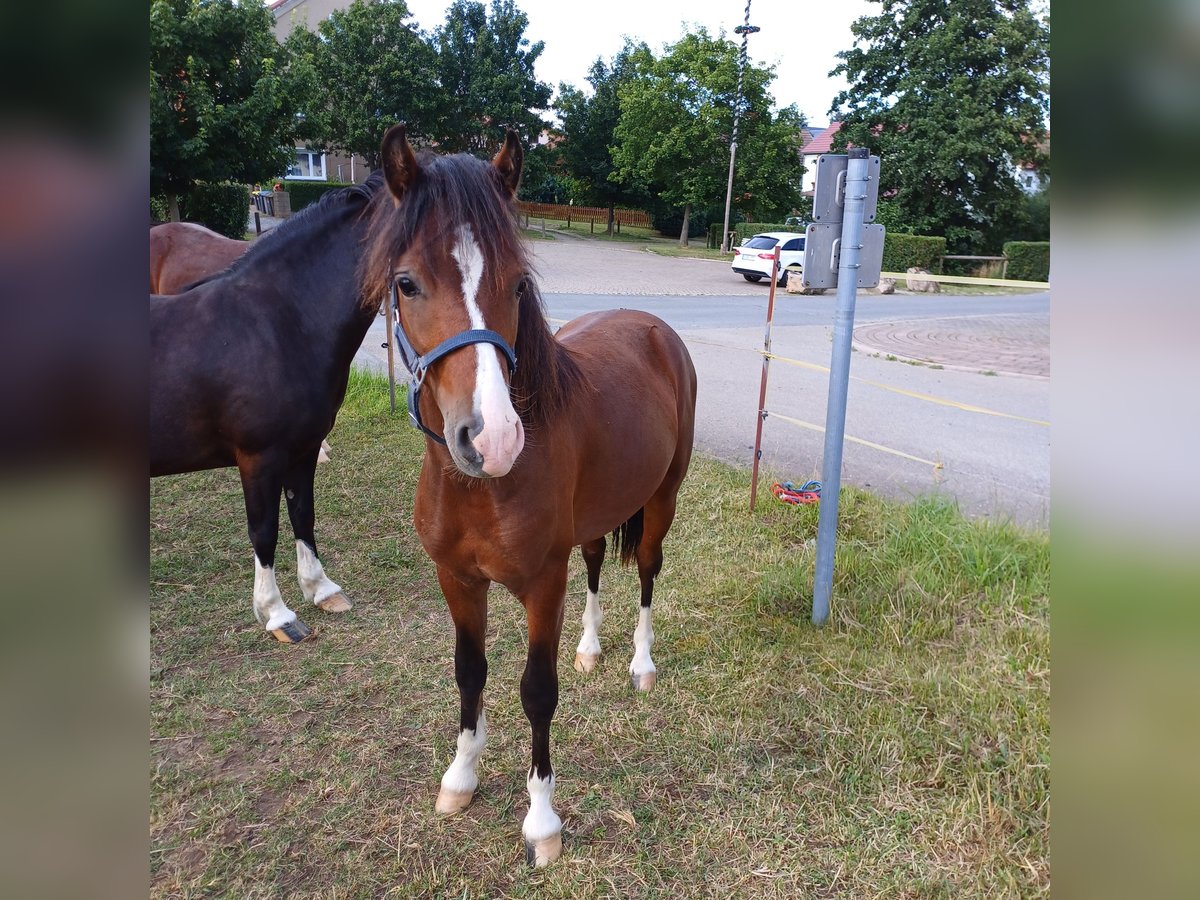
(419,364)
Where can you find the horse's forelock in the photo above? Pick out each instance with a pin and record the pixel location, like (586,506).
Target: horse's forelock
(449,192)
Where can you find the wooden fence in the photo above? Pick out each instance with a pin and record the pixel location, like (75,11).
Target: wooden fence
(566,213)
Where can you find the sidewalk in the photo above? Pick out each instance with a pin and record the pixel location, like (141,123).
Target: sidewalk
(1001,345)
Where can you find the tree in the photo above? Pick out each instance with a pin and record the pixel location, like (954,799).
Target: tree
(589,127)
(222,99)
(485,72)
(676,124)
(374,70)
(950,94)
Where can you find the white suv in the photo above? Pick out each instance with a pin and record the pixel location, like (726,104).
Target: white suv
(752,260)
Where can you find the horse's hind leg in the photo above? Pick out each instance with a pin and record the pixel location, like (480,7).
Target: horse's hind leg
(658,515)
(261,482)
(588,652)
(316,586)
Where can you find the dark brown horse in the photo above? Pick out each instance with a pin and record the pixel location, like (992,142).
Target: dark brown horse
(249,368)
(535,444)
(182,253)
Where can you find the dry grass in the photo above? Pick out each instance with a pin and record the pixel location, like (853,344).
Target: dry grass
(902,751)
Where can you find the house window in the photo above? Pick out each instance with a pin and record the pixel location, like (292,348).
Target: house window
(308,165)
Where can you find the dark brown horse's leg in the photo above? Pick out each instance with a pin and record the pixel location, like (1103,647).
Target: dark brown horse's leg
(262,480)
(544,602)
(468,609)
(316,586)
(587,654)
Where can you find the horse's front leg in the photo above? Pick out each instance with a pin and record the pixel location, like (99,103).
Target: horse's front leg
(318,588)
(544,602)
(262,479)
(468,608)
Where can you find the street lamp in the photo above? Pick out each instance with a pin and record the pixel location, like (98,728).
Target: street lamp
(745,31)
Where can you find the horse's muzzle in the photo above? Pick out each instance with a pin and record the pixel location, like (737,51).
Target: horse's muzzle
(485,450)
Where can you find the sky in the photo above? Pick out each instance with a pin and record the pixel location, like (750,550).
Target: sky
(801,39)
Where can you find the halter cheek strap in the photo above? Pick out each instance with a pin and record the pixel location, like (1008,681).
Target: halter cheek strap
(418,364)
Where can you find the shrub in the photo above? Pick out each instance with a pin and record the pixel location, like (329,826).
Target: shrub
(302,193)
(903,251)
(224,207)
(1028,260)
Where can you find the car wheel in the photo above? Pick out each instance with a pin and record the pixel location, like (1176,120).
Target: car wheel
(754,278)
(782,281)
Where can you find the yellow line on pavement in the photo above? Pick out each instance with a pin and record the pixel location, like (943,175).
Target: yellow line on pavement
(916,395)
(865,443)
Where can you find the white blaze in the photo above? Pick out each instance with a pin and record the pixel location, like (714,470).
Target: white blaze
(502,436)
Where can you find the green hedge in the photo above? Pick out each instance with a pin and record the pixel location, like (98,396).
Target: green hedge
(225,208)
(1028,260)
(302,193)
(903,251)
(747,230)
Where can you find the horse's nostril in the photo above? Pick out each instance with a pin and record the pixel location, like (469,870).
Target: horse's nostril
(462,437)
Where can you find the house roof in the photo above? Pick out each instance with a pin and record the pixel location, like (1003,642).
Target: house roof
(822,142)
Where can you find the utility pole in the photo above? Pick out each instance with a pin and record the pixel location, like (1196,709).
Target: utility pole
(745,31)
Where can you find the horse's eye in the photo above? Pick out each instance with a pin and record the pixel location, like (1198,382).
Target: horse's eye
(407,286)
(522,287)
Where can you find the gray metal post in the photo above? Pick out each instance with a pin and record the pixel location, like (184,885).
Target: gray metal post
(857,174)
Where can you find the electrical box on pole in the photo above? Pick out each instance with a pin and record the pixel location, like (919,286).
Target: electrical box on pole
(843,252)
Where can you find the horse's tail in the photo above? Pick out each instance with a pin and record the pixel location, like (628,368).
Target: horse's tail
(628,535)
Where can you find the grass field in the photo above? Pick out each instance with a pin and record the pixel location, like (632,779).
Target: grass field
(901,751)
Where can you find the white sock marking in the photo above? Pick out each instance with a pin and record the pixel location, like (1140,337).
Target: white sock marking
(314,583)
(269,608)
(589,642)
(541,821)
(461,777)
(643,637)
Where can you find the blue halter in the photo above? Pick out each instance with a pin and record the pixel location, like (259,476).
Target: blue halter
(419,364)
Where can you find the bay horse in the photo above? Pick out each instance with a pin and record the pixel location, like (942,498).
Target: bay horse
(535,444)
(183,253)
(249,369)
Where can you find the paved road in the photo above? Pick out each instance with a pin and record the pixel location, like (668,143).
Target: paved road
(989,432)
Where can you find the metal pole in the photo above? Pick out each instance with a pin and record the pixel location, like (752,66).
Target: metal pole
(857,174)
(762,386)
(745,31)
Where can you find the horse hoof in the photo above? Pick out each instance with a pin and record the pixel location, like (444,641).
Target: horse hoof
(451,803)
(335,603)
(542,853)
(585,662)
(323,453)
(291,633)
(644,681)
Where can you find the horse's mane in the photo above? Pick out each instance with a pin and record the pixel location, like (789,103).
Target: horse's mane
(311,221)
(452,191)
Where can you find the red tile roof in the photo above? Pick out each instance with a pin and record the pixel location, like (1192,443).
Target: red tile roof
(823,142)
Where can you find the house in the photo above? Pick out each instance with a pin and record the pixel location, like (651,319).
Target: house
(311,164)
(815,141)
(820,141)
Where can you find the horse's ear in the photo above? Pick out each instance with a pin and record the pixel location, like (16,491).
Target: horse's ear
(400,167)
(509,161)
